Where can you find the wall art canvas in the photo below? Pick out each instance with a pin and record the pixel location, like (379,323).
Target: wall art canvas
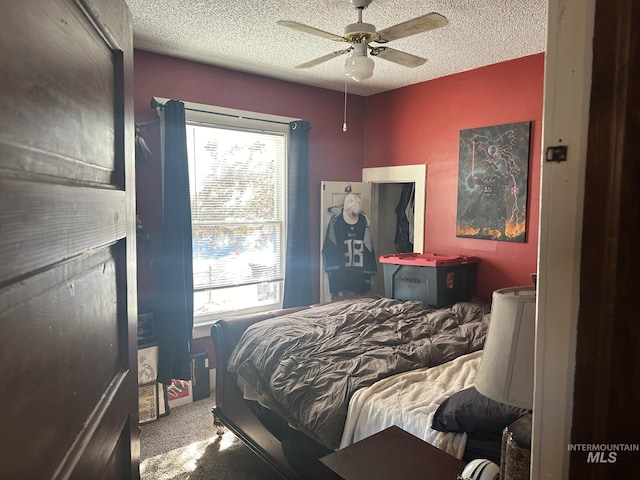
(493,173)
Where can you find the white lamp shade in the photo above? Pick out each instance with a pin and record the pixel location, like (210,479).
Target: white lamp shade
(506,370)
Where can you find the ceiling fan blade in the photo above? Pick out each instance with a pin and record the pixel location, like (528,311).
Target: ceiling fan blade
(411,27)
(313,31)
(396,56)
(324,58)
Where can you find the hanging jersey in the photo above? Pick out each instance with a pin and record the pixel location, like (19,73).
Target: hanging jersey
(349,258)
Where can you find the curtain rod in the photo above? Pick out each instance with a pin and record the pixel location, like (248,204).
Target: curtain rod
(156,104)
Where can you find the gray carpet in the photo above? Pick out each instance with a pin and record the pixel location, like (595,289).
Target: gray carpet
(184,445)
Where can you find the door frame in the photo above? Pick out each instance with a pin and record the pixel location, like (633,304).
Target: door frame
(416,174)
(567,88)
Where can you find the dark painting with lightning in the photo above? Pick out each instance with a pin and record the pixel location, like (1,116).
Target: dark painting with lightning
(492,182)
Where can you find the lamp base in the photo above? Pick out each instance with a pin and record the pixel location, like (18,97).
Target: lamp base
(515,458)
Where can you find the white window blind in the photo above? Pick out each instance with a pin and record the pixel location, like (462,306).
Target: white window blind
(237,185)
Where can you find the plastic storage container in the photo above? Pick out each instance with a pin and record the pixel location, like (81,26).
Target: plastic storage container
(437,280)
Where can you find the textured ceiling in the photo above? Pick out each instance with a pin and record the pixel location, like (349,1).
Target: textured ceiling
(243,35)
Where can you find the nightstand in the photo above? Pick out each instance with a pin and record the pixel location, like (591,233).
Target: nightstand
(391,454)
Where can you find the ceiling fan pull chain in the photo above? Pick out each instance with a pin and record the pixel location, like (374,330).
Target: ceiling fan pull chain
(344,124)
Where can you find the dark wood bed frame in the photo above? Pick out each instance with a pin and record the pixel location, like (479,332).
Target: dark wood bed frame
(230,409)
(262,431)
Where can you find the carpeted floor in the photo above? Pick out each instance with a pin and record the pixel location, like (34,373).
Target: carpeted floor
(184,445)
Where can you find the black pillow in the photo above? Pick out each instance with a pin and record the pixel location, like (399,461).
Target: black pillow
(469,411)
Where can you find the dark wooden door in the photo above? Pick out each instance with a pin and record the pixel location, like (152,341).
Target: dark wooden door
(68,390)
(607,391)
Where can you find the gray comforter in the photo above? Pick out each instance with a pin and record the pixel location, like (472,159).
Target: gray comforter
(305,366)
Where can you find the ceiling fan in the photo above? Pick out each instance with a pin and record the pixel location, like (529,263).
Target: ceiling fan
(358,65)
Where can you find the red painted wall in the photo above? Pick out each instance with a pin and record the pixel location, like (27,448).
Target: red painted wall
(333,154)
(421,124)
(416,124)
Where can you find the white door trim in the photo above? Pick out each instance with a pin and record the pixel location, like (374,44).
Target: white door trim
(403,174)
(566,119)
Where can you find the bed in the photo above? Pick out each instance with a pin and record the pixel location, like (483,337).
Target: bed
(410,401)
(297,384)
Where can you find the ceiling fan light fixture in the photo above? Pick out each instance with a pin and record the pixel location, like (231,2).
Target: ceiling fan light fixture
(359,66)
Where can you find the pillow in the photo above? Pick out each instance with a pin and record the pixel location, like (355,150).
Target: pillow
(469,411)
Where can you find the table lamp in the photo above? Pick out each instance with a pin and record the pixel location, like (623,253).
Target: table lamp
(506,369)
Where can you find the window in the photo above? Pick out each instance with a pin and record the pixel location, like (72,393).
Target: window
(237,181)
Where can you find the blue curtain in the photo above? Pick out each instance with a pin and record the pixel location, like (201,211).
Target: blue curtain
(297,285)
(175,312)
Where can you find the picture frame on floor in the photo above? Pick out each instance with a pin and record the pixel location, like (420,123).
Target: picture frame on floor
(163,401)
(147,365)
(180,392)
(147,403)
(146,329)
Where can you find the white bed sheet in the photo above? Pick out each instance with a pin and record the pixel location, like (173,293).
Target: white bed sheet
(409,401)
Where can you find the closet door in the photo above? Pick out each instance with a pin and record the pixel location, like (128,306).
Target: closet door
(68,392)
(332,195)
